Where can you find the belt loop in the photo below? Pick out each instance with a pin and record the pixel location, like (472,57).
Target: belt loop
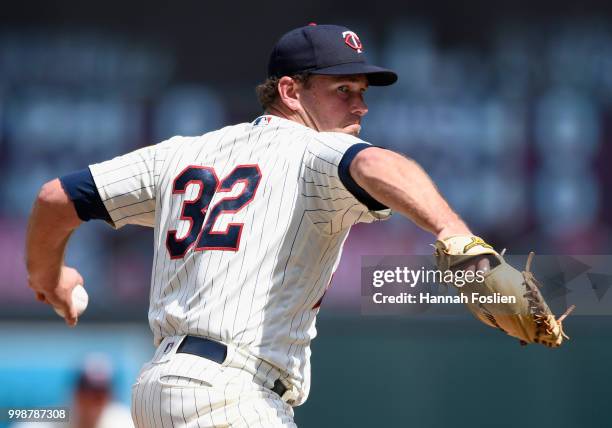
(166,349)
(229,357)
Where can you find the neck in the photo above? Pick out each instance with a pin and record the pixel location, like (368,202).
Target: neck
(286,113)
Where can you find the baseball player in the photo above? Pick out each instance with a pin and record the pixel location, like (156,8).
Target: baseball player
(249,223)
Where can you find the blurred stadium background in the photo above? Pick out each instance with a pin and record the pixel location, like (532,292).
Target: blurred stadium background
(508,107)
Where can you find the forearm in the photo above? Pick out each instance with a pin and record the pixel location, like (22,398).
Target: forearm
(52,221)
(402,185)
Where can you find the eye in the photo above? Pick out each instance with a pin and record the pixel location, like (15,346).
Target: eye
(344,89)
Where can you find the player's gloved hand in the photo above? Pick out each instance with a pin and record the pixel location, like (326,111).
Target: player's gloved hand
(526,317)
(59,295)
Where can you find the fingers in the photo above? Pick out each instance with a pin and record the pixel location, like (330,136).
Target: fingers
(61,306)
(68,312)
(470,267)
(484,265)
(71,320)
(477,264)
(72,316)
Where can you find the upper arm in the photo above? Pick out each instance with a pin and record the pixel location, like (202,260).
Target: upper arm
(121,190)
(127,187)
(373,162)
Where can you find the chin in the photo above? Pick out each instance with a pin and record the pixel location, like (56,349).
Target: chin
(352,130)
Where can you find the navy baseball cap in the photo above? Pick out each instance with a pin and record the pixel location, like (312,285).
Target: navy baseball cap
(324,49)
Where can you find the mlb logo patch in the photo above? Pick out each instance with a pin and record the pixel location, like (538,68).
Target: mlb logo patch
(262,120)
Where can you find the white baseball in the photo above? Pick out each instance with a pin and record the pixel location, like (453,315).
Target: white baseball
(80,299)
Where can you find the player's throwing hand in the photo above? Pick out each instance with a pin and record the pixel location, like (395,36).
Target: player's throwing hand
(59,295)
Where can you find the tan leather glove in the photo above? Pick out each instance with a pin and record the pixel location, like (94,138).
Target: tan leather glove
(525,314)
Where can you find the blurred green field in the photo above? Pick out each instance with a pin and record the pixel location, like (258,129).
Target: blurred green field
(398,372)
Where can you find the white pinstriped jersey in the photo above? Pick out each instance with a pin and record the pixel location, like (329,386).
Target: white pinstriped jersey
(249,222)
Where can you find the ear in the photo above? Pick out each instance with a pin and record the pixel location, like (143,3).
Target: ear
(288,93)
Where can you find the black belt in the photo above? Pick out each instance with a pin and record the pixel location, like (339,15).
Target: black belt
(217,352)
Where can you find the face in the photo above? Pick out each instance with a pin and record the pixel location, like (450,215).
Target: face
(334,103)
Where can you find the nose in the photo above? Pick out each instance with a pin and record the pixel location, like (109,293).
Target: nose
(359,106)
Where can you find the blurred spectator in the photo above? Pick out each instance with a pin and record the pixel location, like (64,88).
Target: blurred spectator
(93,405)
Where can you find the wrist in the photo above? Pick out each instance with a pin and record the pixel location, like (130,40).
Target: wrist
(43,279)
(457,227)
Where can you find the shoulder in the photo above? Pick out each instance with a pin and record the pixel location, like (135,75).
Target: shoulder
(336,142)
(217,134)
(339,139)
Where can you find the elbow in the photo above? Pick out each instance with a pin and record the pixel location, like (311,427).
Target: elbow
(51,193)
(57,206)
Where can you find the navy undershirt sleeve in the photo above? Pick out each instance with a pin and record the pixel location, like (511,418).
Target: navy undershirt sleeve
(82,191)
(350,184)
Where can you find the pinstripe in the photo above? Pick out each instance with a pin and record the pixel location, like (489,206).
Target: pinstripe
(183,406)
(210,406)
(326,199)
(345,212)
(334,176)
(305,307)
(217,334)
(133,215)
(136,405)
(175,157)
(129,192)
(246,244)
(184,285)
(195,405)
(205,256)
(156,387)
(124,179)
(211,331)
(149,407)
(132,204)
(146,407)
(246,422)
(174,207)
(198,330)
(240,272)
(318,140)
(144,162)
(136,400)
(323,210)
(170,413)
(266,252)
(291,250)
(320,158)
(330,188)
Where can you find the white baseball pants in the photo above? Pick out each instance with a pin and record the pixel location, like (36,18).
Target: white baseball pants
(183,390)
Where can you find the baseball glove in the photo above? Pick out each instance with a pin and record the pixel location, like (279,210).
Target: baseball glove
(526,316)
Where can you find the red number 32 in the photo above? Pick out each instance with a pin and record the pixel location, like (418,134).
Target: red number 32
(195,211)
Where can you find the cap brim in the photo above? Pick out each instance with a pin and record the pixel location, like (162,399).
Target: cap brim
(377,76)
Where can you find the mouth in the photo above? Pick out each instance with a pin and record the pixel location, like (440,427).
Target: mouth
(353,121)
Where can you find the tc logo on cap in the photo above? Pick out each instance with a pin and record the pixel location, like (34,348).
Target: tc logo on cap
(353,41)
